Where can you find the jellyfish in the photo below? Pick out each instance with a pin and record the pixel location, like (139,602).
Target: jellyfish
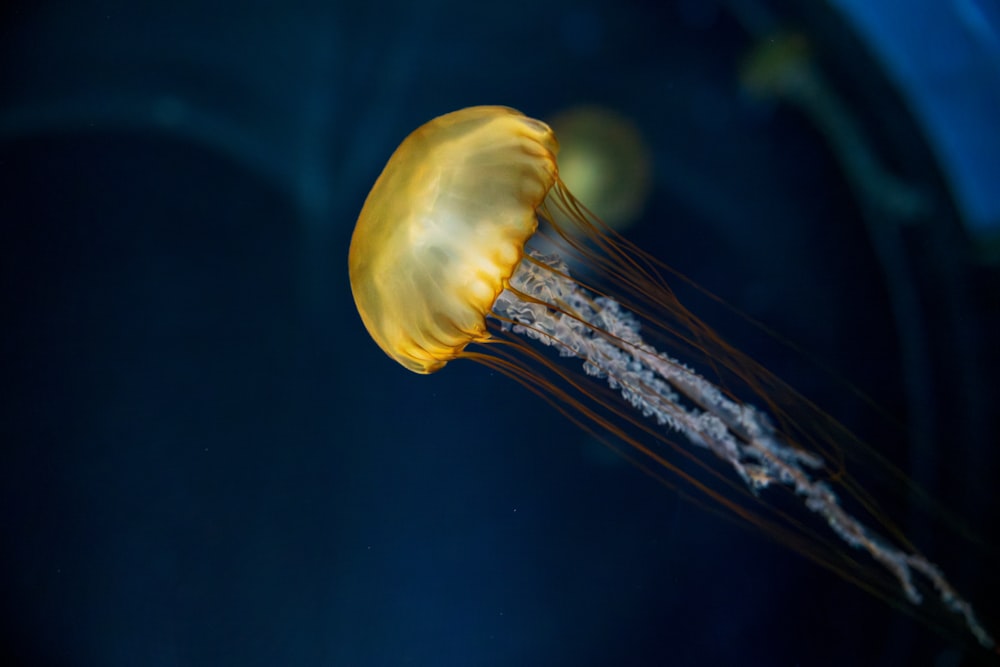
(462,251)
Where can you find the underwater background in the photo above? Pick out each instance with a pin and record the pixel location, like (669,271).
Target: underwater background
(205,460)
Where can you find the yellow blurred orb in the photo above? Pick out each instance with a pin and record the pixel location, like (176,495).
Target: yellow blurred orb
(604,161)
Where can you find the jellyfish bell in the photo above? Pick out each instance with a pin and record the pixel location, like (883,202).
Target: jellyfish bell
(443,266)
(443,229)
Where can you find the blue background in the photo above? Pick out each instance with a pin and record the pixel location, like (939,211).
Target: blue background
(205,460)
